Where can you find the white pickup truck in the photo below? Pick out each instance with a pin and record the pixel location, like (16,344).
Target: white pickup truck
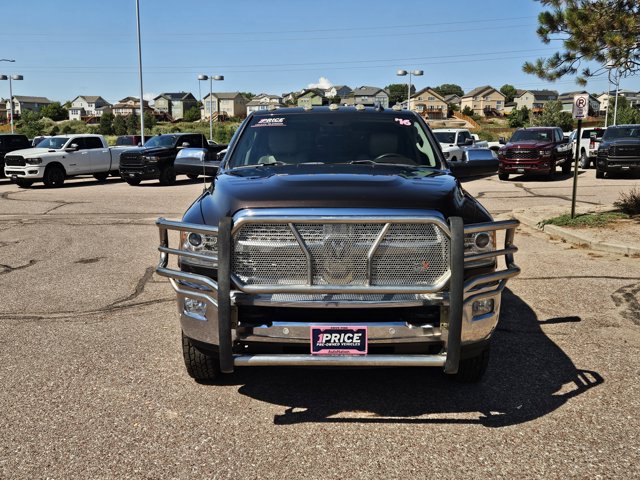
(60,157)
(589,142)
(453,141)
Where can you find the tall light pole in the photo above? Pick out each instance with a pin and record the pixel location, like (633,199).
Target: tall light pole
(211,78)
(402,73)
(10,78)
(140,72)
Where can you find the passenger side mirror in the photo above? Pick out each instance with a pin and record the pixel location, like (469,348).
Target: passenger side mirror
(502,141)
(72,148)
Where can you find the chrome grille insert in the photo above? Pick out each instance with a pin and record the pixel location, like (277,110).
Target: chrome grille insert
(357,253)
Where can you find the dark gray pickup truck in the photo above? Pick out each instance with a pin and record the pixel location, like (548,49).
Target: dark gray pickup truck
(336,236)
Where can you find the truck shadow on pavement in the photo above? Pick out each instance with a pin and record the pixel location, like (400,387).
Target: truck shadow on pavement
(529,376)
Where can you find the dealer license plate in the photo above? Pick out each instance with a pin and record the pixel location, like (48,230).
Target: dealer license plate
(339,340)
(521,170)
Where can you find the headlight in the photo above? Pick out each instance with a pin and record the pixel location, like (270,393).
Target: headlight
(545,153)
(202,244)
(151,159)
(33,161)
(480,242)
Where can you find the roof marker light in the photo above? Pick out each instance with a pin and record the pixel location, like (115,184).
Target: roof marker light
(333,106)
(360,107)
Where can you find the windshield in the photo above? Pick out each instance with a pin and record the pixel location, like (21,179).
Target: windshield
(162,141)
(537,135)
(126,141)
(445,137)
(333,137)
(613,133)
(53,142)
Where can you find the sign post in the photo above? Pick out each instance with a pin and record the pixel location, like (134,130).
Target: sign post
(580,111)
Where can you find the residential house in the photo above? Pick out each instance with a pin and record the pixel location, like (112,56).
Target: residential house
(429,103)
(229,104)
(312,97)
(84,106)
(534,100)
(264,101)
(367,96)
(104,109)
(484,101)
(3,110)
(22,103)
(175,104)
(337,91)
(632,97)
(567,100)
(289,97)
(509,107)
(130,106)
(452,99)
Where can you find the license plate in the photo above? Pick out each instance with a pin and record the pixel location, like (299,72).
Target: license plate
(521,170)
(132,175)
(338,340)
(14,177)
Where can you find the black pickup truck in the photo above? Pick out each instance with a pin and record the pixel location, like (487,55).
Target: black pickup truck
(10,142)
(155,159)
(337,236)
(619,150)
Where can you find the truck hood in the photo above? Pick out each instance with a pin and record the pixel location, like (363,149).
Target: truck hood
(530,144)
(35,152)
(338,186)
(620,142)
(149,151)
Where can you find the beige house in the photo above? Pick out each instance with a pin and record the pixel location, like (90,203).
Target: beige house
(428,102)
(22,103)
(367,96)
(175,104)
(534,100)
(84,106)
(229,104)
(483,101)
(129,106)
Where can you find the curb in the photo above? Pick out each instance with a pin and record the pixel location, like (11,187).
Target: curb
(576,238)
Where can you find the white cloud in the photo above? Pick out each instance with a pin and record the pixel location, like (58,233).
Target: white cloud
(150,96)
(323,83)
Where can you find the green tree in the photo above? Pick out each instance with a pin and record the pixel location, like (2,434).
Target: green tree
(601,31)
(192,115)
(449,89)
(553,116)
(55,111)
(248,95)
(119,125)
(518,118)
(149,121)
(106,124)
(509,91)
(625,113)
(30,124)
(398,92)
(467,110)
(133,124)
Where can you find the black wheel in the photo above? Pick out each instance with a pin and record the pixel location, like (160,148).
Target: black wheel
(101,177)
(54,176)
(584,160)
(472,369)
(552,171)
(503,176)
(23,183)
(133,181)
(201,366)
(192,176)
(566,166)
(168,175)
(599,173)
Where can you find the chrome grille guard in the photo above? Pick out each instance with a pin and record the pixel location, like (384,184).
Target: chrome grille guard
(219,295)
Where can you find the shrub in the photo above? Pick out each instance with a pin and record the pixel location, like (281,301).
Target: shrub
(629,202)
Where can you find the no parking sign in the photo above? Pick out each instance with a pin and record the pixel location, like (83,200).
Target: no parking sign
(581,106)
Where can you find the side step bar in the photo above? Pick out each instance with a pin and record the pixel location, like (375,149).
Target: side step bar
(339,360)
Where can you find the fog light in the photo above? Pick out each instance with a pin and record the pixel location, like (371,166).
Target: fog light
(195,307)
(482,240)
(482,307)
(195,239)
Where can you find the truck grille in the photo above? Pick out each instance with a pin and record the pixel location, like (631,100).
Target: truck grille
(14,161)
(625,151)
(131,160)
(522,153)
(340,254)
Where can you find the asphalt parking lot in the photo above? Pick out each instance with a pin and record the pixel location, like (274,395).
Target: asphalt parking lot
(93,384)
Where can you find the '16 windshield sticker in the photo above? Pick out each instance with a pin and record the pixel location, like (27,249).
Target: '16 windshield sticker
(403,121)
(270,122)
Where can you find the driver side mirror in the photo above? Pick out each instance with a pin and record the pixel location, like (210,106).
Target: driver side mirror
(185,145)
(72,148)
(468,141)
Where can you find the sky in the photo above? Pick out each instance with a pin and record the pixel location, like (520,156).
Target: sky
(67,48)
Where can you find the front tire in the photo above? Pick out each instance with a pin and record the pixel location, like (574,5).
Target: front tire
(201,366)
(585,162)
(22,183)
(101,177)
(566,166)
(472,369)
(53,176)
(134,182)
(503,176)
(168,176)
(599,173)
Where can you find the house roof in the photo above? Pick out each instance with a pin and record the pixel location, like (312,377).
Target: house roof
(175,96)
(540,95)
(367,91)
(478,91)
(568,96)
(255,102)
(315,91)
(451,97)
(21,98)
(431,91)
(224,95)
(90,98)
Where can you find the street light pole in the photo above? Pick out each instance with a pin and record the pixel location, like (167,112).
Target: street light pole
(402,73)
(140,71)
(11,78)
(211,78)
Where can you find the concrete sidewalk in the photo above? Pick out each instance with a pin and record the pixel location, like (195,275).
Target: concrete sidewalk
(622,237)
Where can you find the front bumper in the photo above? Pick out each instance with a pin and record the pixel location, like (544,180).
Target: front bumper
(524,166)
(457,327)
(142,172)
(618,164)
(31,172)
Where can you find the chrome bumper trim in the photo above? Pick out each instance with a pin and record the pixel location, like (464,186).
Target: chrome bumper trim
(339,360)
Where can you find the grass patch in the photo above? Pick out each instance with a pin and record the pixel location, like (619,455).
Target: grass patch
(585,220)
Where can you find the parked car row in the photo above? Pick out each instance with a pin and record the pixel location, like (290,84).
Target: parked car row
(59,157)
